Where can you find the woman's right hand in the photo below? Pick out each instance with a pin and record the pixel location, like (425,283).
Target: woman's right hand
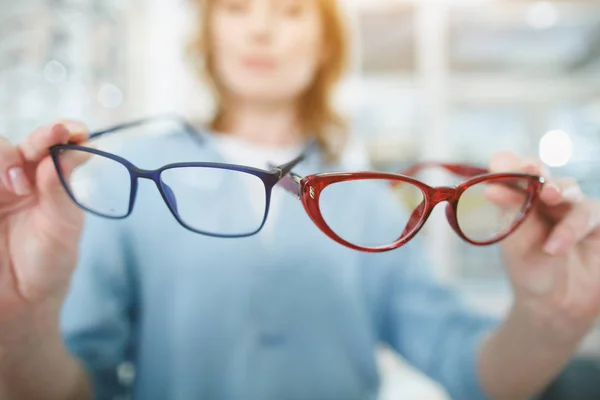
(39,224)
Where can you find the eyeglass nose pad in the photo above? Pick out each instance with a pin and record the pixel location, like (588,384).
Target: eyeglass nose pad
(170,196)
(414,219)
(451,215)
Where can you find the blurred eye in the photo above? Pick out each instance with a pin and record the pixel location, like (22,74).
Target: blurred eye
(235,6)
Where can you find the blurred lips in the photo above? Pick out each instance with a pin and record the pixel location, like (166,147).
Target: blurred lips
(259,63)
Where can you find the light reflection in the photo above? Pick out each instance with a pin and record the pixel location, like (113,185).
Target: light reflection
(556,148)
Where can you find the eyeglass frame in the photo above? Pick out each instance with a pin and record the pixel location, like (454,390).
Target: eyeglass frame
(268,177)
(308,189)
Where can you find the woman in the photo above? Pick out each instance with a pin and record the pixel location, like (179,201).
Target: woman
(284,314)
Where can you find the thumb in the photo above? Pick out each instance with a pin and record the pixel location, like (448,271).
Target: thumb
(533,231)
(54,193)
(53,176)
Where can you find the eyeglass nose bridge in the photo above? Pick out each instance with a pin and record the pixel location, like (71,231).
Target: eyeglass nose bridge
(443,193)
(165,190)
(153,175)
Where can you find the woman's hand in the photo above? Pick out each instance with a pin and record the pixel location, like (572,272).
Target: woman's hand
(553,259)
(39,224)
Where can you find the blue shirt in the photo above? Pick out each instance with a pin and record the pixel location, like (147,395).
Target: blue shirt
(296,317)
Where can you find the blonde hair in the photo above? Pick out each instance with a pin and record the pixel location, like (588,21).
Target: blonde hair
(318,117)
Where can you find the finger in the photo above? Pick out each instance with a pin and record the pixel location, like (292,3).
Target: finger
(504,162)
(534,166)
(580,222)
(69,160)
(36,145)
(561,191)
(509,162)
(12,175)
(9,155)
(552,192)
(54,194)
(504,196)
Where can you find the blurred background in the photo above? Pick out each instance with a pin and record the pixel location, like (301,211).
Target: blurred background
(452,80)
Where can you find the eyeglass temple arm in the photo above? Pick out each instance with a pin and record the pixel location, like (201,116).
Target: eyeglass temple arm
(287,167)
(140,122)
(464,170)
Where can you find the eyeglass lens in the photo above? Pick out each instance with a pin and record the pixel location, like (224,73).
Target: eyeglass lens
(485,211)
(195,194)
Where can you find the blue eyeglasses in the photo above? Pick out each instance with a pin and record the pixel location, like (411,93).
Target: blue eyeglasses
(215,199)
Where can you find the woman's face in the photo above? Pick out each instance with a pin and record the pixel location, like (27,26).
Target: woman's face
(266,50)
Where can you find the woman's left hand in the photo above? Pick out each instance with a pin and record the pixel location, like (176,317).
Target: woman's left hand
(553,259)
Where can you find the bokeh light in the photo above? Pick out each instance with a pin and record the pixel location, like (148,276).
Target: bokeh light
(556,148)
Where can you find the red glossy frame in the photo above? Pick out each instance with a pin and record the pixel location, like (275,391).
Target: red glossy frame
(309,188)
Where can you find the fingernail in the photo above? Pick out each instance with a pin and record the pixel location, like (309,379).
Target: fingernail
(553,246)
(19,181)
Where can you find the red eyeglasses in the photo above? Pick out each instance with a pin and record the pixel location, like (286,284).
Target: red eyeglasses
(483,209)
